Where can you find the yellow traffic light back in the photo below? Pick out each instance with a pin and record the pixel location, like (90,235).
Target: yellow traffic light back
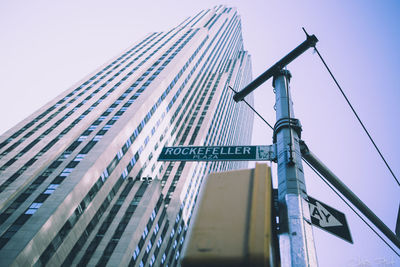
(233,222)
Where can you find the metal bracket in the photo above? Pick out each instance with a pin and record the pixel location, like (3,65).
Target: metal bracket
(284,122)
(274,156)
(303,147)
(287,74)
(275,206)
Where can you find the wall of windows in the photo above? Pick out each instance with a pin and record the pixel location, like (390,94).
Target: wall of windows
(69,168)
(99,143)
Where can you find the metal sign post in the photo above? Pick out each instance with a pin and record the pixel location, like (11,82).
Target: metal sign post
(296,239)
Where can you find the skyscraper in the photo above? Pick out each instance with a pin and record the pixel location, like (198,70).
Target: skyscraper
(80,183)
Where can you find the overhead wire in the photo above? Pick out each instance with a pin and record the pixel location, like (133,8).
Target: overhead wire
(358,118)
(326,182)
(258,114)
(348,204)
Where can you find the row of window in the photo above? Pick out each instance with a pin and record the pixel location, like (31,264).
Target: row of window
(86,99)
(86,201)
(196,185)
(66,130)
(229,133)
(136,253)
(221,110)
(153,215)
(146,230)
(181,103)
(237,46)
(241,136)
(207,60)
(28,125)
(166,175)
(233,47)
(122,224)
(94,221)
(195,112)
(185,108)
(170,191)
(172,242)
(202,16)
(152,260)
(164,256)
(158,245)
(192,194)
(95,104)
(60,178)
(174,248)
(19,172)
(234,109)
(194,134)
(214,20)
(119,154)
(192,190)
(214,58)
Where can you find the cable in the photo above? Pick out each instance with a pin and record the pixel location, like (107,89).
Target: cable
(358,118)
(323,179)
(272,128)
(337,193)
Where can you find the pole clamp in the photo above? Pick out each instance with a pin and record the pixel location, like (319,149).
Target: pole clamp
(303,147)
(283,123)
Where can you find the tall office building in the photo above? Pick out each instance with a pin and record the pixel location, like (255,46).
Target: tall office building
(80,181)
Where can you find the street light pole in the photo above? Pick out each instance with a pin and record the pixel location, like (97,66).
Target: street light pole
(296,239)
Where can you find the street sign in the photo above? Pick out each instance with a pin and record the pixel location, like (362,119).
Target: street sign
(329,219)
(217,153)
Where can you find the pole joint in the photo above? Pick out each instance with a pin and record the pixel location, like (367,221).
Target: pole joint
(291,123)
(303,147)
(281,72)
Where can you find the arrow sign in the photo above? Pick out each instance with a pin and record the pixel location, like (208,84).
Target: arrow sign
(217,153)
(325,218)
(329,219)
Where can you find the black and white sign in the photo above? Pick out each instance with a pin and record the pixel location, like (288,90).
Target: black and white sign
(329,219)
(217,153)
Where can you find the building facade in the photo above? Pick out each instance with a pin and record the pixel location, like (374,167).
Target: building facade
(80,183)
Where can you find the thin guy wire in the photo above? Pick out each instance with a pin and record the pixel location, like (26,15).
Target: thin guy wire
(312,168)
(323,179)
(253,110)
(358,118)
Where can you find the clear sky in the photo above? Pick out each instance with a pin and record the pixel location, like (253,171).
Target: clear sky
(47,46)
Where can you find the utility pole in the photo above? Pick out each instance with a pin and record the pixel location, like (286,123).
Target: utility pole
(296,239)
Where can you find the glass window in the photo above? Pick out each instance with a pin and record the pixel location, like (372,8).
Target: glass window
(79,157)
(66,172)
(33,208)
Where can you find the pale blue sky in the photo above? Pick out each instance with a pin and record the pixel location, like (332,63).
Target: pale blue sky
(47,46)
